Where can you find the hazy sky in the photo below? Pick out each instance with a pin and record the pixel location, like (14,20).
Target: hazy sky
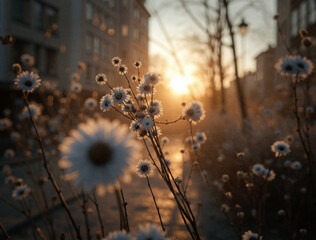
(259,16)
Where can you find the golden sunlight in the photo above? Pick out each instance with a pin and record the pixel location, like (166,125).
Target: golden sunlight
(180,84)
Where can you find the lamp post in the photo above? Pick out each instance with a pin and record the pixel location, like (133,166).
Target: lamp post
(243,28)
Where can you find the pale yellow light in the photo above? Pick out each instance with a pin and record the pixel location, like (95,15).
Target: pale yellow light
(180,84)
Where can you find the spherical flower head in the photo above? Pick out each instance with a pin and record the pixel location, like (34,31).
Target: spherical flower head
(225,208)
(225,178)
(152,78)
(101,79)
(165,140)
(119,95)
(200,137)
(269,175)
(81,66)
(194,112)
(116,61)
(280,148)
(155,109)
(16,68)
(258,169)
(307,42)
(296,165)
(5,124)
(90,104)
(35,109)
(250,236)
(106,102)
(75,87)
(9,154)
(303,33)
(134,126)
(145,88)
(27,81)
(75,77)
(150,231)
(137,64)
(144,168)
(21,192)
(134,77)
(303,66)
(122,69)
(118,235)
(147,123)
(27,60)
(286,66)
(178,180)
(99,152)
(195,147)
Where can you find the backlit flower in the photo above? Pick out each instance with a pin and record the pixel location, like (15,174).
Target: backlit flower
(194,112)
(280,148)
(21,192)
(118,95)
(28,81)
(116,61)
(105,102)
(145,88)
(28,60)
(35,109)
(286,66)
(99,151)
(144,168)
(118,235)
(152,78)
(90,103)
(122,69)
(150,231)
(101,79)
(303,66)
(250,236)
(147,123)
(137,64)
(200,137)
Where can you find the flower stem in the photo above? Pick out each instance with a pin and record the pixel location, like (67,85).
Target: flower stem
(152,194)
(50,174)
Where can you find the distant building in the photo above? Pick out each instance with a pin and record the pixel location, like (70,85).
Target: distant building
(91,31)
(27,21)
(294,15)
(265,71)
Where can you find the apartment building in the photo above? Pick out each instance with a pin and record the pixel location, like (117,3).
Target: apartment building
(91,31)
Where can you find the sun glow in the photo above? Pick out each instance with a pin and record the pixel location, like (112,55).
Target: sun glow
(180,84)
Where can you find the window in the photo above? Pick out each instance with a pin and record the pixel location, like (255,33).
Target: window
(50,17)
(21,10)
(303,14)
(89,12)
(88,43)
(143,21)
(135,34)
(20,47)
(312,12)
(294,27)
(45,16)
(96,47)
(39,15)
(124,30)
(51,61)
(136,13)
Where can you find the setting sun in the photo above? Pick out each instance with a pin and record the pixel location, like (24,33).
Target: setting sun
(180,84)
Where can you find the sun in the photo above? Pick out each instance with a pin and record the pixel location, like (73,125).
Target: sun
(180,84)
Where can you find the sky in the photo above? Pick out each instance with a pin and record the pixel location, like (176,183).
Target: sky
(179,27)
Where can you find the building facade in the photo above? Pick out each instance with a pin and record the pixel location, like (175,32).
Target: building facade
(294,15)
(90,31)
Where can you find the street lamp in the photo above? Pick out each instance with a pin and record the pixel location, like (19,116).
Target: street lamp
(243,27)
